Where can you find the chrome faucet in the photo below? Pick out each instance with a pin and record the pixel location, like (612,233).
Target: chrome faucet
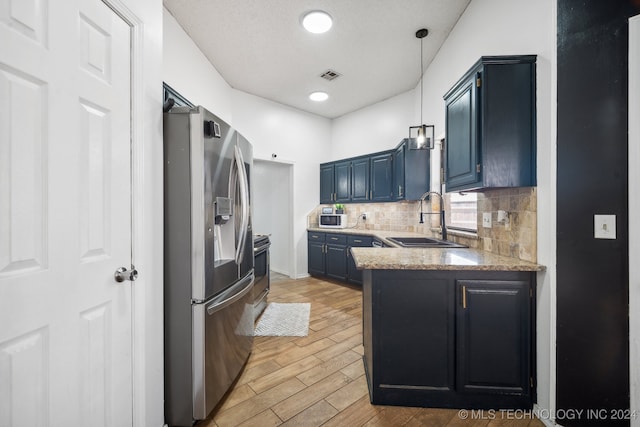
(443,227)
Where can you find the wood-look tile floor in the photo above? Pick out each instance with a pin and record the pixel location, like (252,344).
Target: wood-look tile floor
(319,380)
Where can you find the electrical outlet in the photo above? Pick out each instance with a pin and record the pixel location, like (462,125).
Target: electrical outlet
(604,226)
(486,219)
(365,216)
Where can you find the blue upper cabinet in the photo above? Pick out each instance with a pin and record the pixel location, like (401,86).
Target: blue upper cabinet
(327,187)
(491,125)
(411,171)
(382,177)
(343,181)
(398,173)
(360,179)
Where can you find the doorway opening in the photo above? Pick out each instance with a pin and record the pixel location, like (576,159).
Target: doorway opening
(272,184)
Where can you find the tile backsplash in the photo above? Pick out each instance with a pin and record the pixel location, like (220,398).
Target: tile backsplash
(515,237)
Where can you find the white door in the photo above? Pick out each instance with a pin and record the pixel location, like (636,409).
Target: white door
(65,214)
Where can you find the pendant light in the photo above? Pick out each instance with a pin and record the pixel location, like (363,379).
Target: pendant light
(421,137)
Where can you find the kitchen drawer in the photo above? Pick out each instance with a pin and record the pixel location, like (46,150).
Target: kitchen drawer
(336,239)
(314,236)
(359,241)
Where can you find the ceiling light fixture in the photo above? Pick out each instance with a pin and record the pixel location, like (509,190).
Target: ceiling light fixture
(422,138)
(318,96)
(317,21)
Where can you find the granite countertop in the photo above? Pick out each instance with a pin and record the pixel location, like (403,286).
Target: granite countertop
(397,258)
(437,259)
(382,235)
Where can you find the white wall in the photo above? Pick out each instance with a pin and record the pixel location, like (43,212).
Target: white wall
(294,136)
(299,138)
(491,27)
(189,72)
(377,127)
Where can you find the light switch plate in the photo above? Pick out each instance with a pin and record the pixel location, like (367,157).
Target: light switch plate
(604,226)
(486,219)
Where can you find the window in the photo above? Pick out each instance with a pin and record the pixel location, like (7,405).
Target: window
(462,211)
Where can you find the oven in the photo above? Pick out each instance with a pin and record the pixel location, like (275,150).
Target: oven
(261,245)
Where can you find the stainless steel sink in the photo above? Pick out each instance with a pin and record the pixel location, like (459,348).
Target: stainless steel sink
(424,242)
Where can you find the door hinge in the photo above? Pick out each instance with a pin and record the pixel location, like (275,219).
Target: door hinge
(530,293)
(478,168)
(531,382)
(478,82)
(441,175)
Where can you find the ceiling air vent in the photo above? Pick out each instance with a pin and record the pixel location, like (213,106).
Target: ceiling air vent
(330,75)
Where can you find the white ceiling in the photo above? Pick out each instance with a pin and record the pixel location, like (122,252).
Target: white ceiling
(260,47)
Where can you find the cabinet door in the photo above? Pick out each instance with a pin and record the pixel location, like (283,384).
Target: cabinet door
(327,183)
(353,274)
(493,337)
(462,154)
(398,173)
(336,261)
(343,181)
(381,177)
(316,258)
(360,180)
(414,331)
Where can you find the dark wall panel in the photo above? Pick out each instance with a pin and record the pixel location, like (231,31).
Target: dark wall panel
(592,280)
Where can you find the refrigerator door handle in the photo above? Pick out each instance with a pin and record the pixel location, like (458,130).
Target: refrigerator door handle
(219,305)
(244,204)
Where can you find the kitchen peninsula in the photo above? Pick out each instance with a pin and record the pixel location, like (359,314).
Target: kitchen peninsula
(448,327)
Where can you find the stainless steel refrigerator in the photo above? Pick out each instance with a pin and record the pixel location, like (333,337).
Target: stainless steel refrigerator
(208,259)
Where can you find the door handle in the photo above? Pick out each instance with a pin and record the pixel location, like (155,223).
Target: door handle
(123,274)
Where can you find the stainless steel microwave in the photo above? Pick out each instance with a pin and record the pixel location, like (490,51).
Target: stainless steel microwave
(332,220)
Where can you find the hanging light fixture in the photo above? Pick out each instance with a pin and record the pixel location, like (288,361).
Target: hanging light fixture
(421,137)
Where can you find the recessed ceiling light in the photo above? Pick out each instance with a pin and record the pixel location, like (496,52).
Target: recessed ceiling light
(318,96)
(317,22)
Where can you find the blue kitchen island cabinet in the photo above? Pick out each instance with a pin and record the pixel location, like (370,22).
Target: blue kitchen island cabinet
(449,339)
(491,125)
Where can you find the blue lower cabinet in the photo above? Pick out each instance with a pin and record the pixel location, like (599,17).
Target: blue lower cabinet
(329,255)
(450,339)
(315,251)
(353,274)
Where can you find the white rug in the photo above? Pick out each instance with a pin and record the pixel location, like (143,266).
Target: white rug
(284,320)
